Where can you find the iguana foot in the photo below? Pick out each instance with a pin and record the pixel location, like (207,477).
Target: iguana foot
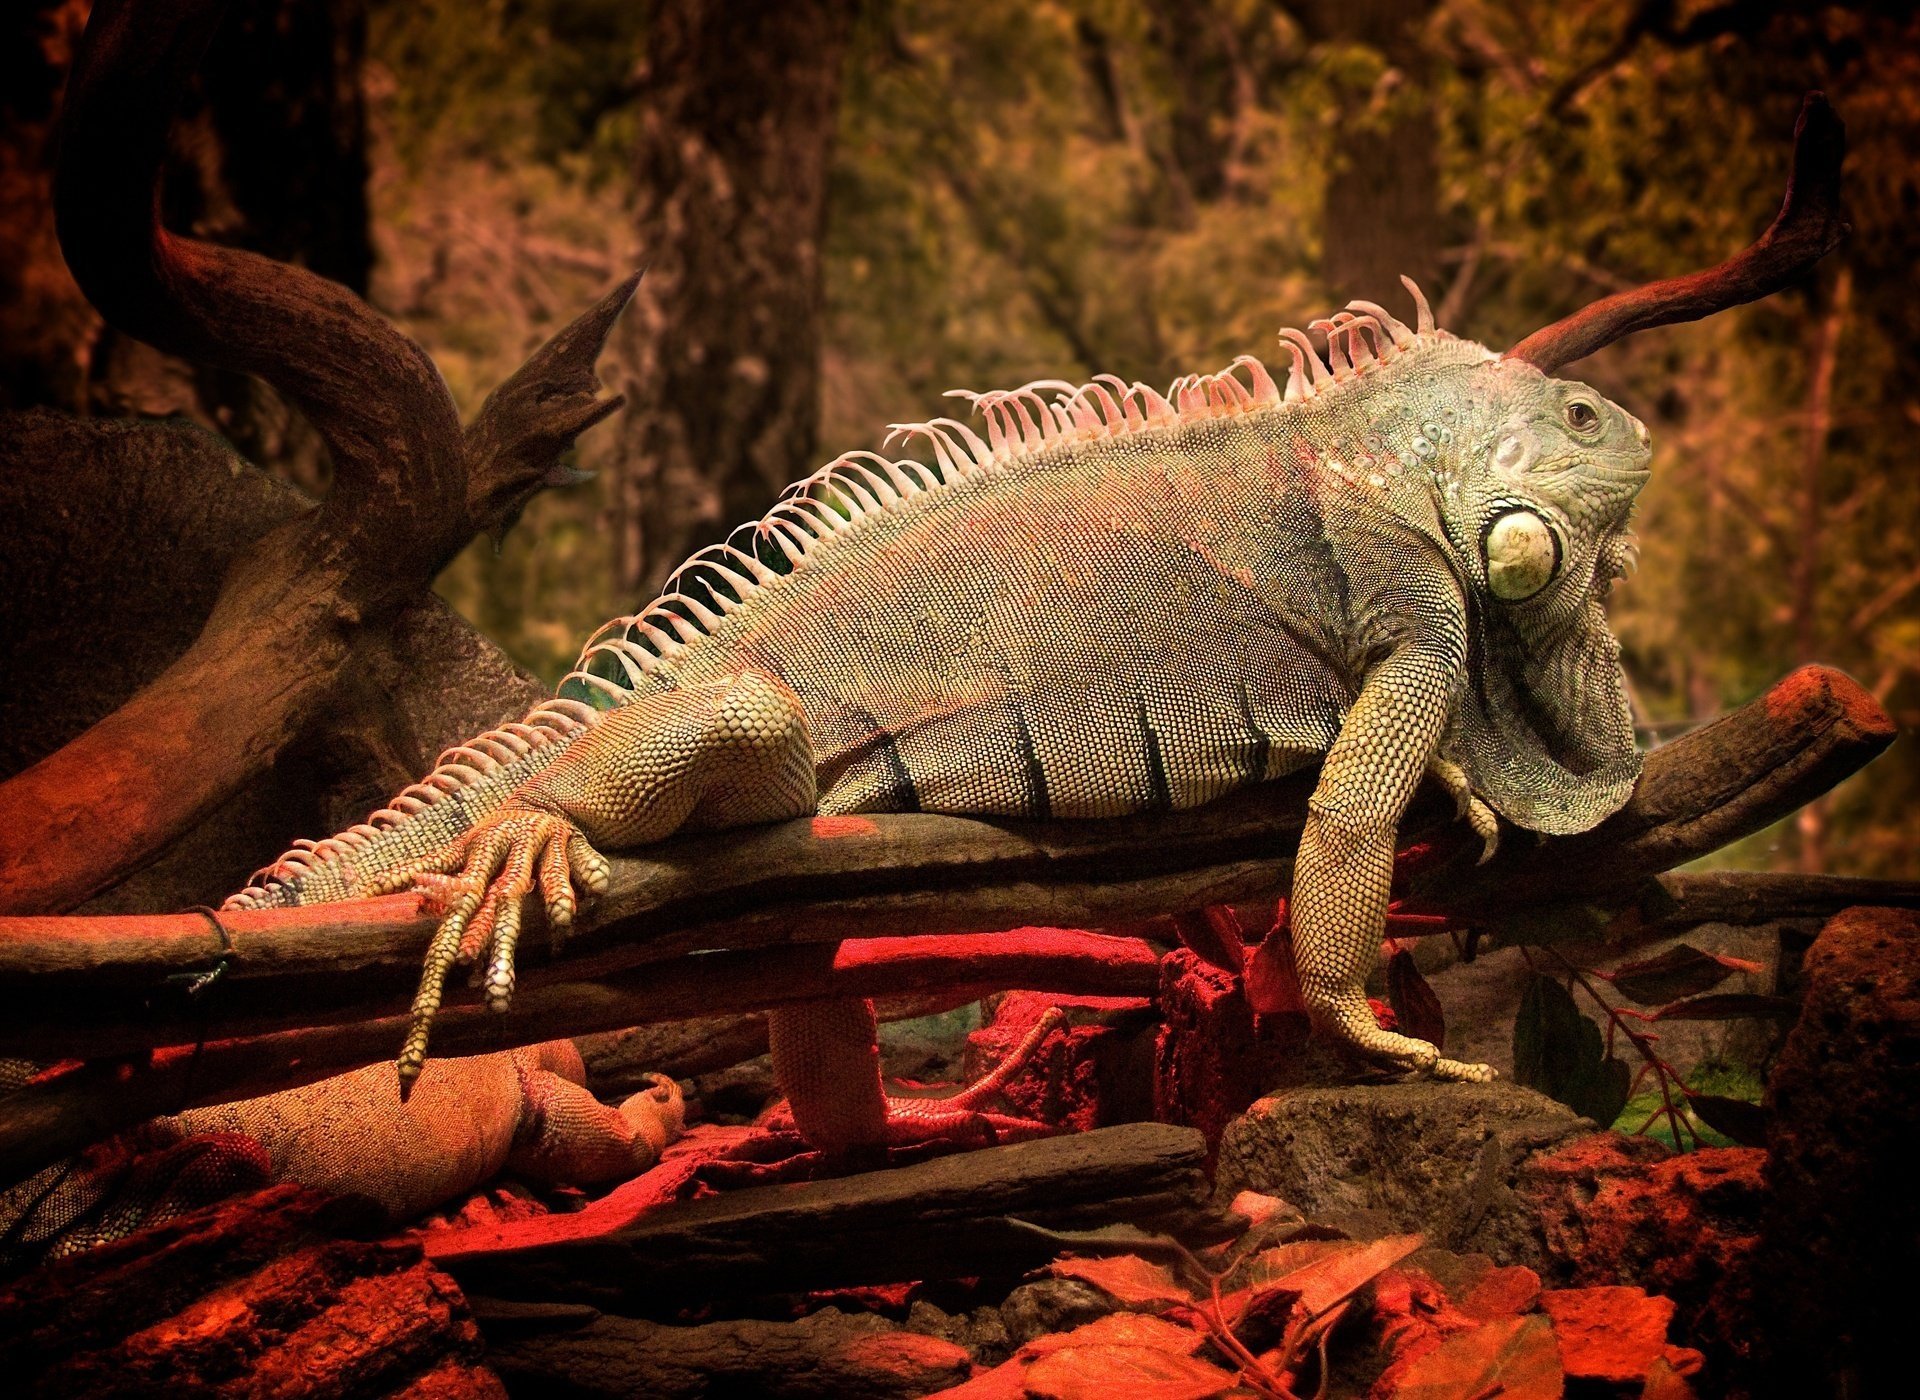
(1478,814)
(480,882)
(1347,1017)
(826,1059)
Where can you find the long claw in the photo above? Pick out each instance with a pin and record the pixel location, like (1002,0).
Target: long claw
(556,886)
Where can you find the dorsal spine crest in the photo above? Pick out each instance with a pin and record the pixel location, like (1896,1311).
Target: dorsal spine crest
(1021,425)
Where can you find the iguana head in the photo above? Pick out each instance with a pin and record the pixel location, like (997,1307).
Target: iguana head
(1538,507)
(1536,503)
(1539,514)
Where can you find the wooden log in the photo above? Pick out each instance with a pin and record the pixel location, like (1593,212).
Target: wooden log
(83,1102)
(551,1349)
(1680,900)
(109,984)
(947,1218)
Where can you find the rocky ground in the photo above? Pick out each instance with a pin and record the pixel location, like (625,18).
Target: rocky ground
(1390,1240)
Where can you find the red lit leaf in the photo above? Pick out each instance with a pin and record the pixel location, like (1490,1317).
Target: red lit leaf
(1273,983)
(1413,1001)
(1611,1335)
(1127,1278)
(1682,971)
(1502,1292)
(1104,1372)
(1729,1006)
(1664,1382)
(1744,1122)
(1330,1280)
(1514,1358)
(1117,1329)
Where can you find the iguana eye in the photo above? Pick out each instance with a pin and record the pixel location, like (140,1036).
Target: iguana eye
(1581,417)
(1522,555)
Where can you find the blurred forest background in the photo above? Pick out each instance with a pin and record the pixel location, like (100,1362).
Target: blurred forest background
(849,208)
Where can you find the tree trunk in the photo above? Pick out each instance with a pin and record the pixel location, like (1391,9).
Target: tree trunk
(1383,183)
(269,154)
(738,107)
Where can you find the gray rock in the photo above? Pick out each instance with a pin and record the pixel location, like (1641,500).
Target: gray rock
(1052,1305)
(1439,1159)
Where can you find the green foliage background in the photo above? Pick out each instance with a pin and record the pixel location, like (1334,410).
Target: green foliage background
(1007,203)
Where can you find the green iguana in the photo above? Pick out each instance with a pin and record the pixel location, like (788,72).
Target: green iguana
(1113,601)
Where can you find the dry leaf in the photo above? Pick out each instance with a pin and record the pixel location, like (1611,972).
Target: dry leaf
(1612,1335)
(1128,1279)
(1138,1373)
(1514,1358)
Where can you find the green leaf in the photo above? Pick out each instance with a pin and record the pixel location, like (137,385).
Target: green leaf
(1744,1122)
(1562,1053)
(1730,1006)
(1682,971)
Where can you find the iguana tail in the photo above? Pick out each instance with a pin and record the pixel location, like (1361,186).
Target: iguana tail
(467,782)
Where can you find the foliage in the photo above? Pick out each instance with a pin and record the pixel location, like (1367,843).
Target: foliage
(1564,1054)
(1289,1307)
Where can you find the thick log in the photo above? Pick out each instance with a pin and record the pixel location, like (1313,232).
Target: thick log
(109,985)
(948,1218)
(1681,900)
(1706,789)
(539,1348)
(81,1103)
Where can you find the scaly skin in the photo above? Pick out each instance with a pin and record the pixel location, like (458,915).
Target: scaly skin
(1114,603)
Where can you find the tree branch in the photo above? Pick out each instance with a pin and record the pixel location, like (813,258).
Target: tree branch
(409,487)
(110,985)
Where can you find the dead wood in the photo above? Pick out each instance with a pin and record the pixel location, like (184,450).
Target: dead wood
(410,488)
(544,1348)
(108,985)
(81,1103)
(1808,227)
(947,1218)
(1681,900)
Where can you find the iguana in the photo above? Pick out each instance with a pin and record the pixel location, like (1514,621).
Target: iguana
(1112,601)
(1116,600)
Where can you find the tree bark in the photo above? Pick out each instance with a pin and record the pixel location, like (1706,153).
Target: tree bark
(268,154)
(947,1218)
(1382,207)
(737,112)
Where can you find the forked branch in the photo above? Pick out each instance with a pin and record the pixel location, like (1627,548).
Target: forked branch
(1808,227)
(410,487)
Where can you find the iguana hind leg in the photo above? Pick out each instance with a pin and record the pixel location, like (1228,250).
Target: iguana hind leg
(727,753)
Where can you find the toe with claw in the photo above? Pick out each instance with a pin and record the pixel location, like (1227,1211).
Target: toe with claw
(478,884)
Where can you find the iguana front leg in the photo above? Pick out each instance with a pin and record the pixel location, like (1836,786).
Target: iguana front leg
(1344,871)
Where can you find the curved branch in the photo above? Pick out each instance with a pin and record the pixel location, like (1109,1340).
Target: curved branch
(410,488)
(371,392)
(1807,228)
